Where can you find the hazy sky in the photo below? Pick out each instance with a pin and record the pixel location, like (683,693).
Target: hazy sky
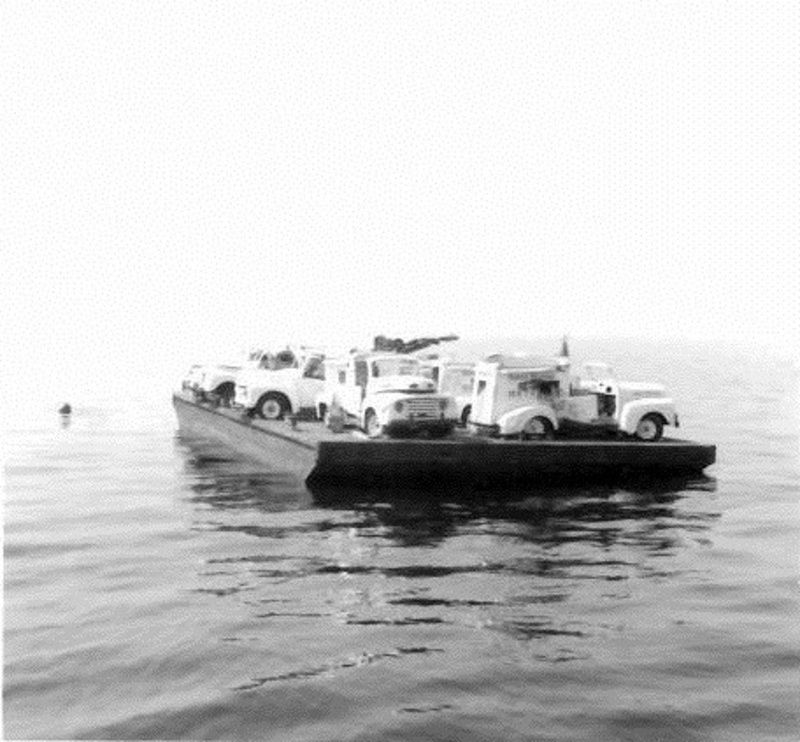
(179,177)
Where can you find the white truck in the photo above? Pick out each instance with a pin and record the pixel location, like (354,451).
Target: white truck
(282,383)
(215,382)
(535,398)
(387,393)
(456,378)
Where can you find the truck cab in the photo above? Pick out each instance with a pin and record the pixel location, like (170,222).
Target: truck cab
(537,398)
(598,399)
(388,393)
(282,383)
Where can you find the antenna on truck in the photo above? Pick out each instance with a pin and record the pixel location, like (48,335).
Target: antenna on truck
(563,362)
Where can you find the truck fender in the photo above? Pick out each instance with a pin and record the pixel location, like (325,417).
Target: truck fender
(634,411)
(511,423)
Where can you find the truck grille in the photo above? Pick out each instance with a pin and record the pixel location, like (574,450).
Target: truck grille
(423,407)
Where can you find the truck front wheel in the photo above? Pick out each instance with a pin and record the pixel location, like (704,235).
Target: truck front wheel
(372,425)
(273,406)
(538,429)
(650,428)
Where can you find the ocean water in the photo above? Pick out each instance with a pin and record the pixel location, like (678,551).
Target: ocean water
(157,588)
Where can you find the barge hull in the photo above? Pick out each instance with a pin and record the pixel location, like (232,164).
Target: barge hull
(316,454)
(243,437)
(504,462)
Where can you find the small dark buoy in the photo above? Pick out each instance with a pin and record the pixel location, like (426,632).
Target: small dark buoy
(65,409)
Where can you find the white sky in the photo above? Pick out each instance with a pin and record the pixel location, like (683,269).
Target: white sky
(180,177)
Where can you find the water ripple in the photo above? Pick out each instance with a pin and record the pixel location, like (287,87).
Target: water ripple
(362,660)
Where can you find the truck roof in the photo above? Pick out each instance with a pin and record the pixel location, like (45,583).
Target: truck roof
(524,361)
(382,355)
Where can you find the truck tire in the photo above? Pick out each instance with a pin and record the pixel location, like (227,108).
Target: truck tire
(465,415)
(372,426)
(273,406)
(650,428)
(538,428)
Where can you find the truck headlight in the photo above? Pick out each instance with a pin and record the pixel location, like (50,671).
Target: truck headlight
(442,404)
(398,406)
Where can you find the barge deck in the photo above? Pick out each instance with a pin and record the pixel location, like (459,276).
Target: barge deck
(310,450)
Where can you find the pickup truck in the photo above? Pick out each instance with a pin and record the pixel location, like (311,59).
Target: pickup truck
(216,382)
(387,393)
(283,383)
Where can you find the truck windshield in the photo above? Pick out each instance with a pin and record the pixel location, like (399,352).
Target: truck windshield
(394,367)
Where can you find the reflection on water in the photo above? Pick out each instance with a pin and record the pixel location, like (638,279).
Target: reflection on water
(547,515)
(642,510)
(227,483)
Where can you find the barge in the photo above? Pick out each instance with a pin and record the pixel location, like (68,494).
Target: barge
(310,450)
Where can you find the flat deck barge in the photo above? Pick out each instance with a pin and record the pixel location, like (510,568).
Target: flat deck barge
(310,450)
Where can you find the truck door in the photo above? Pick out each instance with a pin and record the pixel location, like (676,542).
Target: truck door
(608,403)
(312,381)
(353,392)
(580,409)
(362,378)
(482,393)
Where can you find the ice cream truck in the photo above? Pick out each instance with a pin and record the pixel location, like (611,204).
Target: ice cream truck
(538,398)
